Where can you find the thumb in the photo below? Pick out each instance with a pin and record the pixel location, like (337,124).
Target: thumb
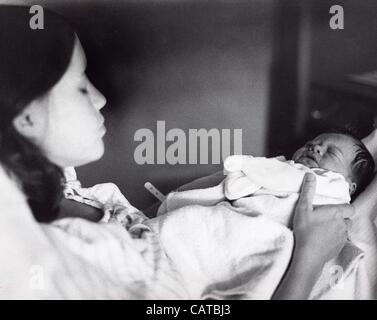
(305,200)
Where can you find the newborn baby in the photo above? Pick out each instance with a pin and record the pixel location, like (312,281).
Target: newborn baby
(342,165)
(342,154)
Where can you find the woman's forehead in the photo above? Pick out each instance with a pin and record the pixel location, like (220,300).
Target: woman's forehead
(78,60)
(76,67)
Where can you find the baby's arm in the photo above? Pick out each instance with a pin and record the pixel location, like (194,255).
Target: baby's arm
(204,182)
(204,197)
(200,183)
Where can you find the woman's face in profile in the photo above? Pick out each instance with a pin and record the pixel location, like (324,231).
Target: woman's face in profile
(66,123)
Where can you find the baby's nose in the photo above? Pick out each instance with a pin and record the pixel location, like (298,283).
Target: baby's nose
(316,148)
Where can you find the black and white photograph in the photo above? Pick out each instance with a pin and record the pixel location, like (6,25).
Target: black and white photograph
(188,150)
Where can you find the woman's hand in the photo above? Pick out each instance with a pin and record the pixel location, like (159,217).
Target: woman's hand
(320,234)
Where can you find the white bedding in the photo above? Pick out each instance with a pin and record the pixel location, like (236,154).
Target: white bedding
(214,250)
(76,259)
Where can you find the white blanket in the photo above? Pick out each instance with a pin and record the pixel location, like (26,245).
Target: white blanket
(221,253)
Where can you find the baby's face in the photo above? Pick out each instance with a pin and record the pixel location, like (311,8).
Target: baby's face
(330,151)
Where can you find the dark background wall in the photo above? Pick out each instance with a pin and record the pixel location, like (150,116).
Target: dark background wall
(352,50)
(193,64)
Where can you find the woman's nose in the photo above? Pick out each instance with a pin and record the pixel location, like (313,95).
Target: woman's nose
(98,99)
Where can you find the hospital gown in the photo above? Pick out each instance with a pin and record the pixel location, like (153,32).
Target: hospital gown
(117,258)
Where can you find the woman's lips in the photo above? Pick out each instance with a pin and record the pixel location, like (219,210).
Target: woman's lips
(102,129)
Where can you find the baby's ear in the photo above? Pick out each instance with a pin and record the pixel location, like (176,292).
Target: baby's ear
(352,188)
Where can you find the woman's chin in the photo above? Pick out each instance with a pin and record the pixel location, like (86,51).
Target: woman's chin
(94,154)
(98,151)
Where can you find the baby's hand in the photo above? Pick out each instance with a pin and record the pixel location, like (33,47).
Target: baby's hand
(122,215)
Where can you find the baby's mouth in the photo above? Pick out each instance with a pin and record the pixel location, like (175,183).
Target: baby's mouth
(309,161)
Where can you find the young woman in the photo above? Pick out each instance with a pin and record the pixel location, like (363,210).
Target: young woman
(50,119)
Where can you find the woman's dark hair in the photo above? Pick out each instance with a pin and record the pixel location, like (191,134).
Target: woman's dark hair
(31,63)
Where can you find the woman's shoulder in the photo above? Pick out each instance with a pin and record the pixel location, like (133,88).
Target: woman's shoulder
(104,196)
(98,195)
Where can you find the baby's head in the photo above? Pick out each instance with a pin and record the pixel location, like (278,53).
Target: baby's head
(342,153)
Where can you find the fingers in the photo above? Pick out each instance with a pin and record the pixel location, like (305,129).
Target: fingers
(341,211)
(345,211)
(307,193)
